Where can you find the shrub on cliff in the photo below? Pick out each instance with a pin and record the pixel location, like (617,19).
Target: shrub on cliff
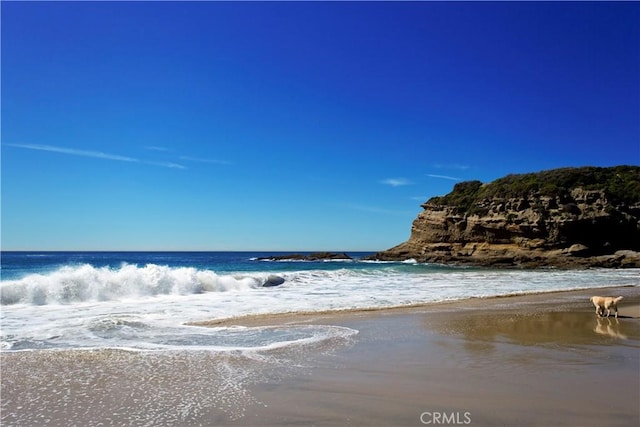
(621,184)
(464,194)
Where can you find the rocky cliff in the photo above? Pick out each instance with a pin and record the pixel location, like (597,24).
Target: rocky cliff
(568,217)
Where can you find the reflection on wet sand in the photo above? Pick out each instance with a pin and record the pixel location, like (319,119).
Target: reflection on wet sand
(531,328)
(605,326)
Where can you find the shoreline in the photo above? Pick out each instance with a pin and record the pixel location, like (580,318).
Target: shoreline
(541,359)
(300,316)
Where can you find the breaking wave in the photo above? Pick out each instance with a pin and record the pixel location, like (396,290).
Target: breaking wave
(72,284)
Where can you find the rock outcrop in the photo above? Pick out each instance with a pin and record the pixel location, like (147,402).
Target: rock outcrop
(272,281)
(570,217)
(317,256)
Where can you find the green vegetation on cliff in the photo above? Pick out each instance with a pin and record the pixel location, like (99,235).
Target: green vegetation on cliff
(621,184)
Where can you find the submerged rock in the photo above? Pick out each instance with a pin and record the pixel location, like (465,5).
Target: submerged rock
(273,280)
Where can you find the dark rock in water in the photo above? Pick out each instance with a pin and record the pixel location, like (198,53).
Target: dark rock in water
(570,217)
(318,256)
(273,281)
(288,257)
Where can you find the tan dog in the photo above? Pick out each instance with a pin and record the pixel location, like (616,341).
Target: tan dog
(605,303)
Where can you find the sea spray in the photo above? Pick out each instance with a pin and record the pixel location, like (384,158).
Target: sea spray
(87,283)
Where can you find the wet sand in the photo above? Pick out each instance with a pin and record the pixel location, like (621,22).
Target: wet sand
(538,360)
(535,360)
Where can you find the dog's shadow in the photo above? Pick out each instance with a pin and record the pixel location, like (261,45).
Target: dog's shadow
(610,327)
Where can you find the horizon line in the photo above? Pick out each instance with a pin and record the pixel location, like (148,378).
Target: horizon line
(187,250)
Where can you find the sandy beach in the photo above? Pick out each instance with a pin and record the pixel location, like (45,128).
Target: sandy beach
(534,360)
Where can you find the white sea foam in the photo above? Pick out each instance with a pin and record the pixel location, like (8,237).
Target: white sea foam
(88,283)
(145,307)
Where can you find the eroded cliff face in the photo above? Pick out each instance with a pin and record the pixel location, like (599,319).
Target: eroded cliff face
(578,228)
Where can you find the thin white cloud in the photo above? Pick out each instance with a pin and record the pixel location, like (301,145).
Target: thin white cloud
(396,182)
(453,166)
(204,160)
(155,148)
(165,164)
(93,154)
(74,152)
(452,178)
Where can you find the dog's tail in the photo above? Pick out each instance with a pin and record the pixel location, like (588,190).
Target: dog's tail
(617,299)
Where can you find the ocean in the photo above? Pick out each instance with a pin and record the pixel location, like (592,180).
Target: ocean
(144,301)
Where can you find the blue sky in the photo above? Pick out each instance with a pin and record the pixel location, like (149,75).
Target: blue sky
(295,125)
